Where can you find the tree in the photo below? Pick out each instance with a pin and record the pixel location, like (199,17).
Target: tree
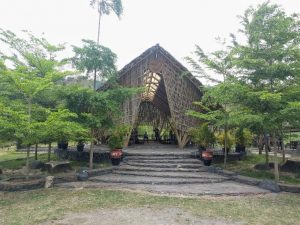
(97,111)
(11,123)
(216,99)
(264,73)
(94,58)
(35,69)
(60,126)
(105,7)
(222,106)
(269,65)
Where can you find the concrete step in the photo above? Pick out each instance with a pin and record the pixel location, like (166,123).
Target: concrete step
(169,174)
(126,167)
(131,179)
(166,161)
(159,155)
(165,165)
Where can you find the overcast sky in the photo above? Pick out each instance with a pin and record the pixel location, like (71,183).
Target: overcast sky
(176,25)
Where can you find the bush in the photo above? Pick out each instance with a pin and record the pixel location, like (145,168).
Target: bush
(116,139)
(243,137)
(220,136)
(203,136)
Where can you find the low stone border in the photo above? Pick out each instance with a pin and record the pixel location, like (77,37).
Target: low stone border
(22,185)
(289,188)
(65,178)
(39,182)
(255,182)
(246,180)
(97,172)
(74,177)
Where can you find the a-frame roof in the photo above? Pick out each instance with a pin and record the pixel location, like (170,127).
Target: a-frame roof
(169,87)
(158,49)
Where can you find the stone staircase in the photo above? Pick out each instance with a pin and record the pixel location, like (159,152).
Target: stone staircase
(160,169)
(165,170)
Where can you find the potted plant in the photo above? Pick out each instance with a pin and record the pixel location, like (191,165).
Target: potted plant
(207,157)
(204,138)
(80,146)
(243,138)
(63,145)
(220,136)
(115,143)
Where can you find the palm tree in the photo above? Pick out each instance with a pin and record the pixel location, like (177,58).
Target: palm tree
(105,7)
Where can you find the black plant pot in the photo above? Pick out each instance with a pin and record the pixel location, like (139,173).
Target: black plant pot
(63,145)
(115,162)
(240,148)
(207,162)
(80,147)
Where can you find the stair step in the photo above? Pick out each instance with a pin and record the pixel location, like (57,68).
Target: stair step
(172,161)
(165,165)
(158,169)
(174,174)
(158,155)
(128,179)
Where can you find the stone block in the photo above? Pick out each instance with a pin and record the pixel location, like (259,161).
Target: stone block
(291,166)
(269,185)
(83,175)
(290,188)
(36,164)
(49,183)
(57,167)
(246,180)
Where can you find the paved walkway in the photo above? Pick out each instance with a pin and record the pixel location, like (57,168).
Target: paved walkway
(166,169)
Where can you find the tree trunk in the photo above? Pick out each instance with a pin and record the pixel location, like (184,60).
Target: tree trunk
(225,146)
(95,79)
(276,170)
(27,160)
(91,154)
(267,147)
(99,22)
(49,152)
(283,151)
(28,146)
(260,144)
(35,151)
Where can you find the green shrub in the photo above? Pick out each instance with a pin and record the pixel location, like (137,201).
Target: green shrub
(203,136)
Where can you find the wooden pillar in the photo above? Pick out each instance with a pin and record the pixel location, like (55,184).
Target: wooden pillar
(182,138)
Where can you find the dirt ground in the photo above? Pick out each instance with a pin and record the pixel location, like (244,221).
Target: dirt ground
(137,216)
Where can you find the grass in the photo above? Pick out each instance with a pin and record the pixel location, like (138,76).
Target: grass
(34,207)
(246,168)
(16,160)
(12,160)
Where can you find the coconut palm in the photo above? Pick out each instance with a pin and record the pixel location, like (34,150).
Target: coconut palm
(105,7)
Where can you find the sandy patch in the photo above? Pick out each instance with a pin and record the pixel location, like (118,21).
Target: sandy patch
(137,216)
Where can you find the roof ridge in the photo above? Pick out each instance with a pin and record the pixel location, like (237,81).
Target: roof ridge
(149,51)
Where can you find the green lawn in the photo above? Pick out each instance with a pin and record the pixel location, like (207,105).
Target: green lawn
(33,207)
(16,160)
(246,168)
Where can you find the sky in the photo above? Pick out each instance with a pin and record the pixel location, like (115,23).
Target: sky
(176,25)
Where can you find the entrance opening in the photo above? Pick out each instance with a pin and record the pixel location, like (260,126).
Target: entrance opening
(153,122)
(145,134)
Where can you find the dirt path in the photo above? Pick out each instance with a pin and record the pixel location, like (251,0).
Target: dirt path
(137,216)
